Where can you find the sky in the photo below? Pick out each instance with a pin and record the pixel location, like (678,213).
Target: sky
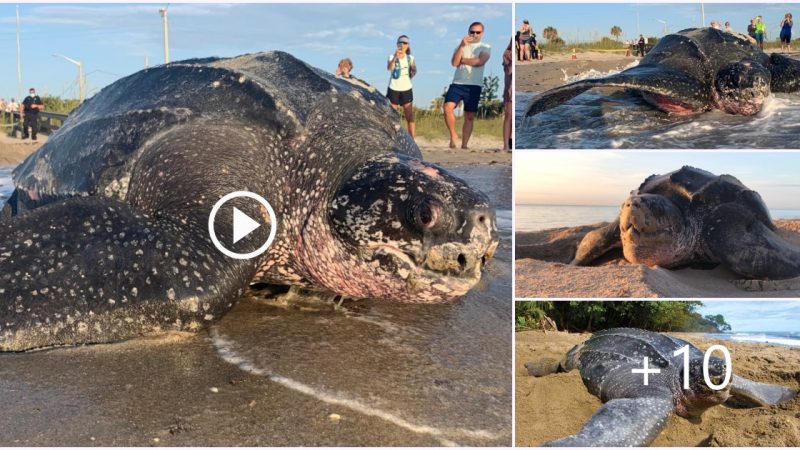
(113,40)
(582,22)
(606,177)
(757,315)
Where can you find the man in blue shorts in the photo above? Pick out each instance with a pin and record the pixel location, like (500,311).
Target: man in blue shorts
(469,58)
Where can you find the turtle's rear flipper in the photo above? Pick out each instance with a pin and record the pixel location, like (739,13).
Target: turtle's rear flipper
(748,247)
(657,80)
(754,394)
(596,243)
(542,367)
(622,422)
(94,270)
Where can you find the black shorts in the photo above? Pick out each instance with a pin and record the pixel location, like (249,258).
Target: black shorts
(400,97)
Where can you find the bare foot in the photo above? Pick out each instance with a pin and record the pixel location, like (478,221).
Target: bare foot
(452,144)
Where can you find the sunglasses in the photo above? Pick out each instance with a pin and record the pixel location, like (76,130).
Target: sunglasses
(475,32)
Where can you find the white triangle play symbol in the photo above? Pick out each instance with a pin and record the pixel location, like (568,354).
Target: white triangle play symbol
(242,225)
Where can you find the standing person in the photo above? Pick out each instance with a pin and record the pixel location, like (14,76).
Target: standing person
(786,33)
(403,67)
(3,109)
(11,107)
(641,44)
(761,32)
(525,39)
(751,29)
(29,113)
(344,68)
(469,59)
(508,106)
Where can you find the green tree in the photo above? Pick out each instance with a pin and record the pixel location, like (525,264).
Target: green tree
(488,104)
(616,31)
(550,33)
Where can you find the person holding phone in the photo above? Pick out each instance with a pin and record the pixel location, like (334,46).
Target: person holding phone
(402,67)
(469,58)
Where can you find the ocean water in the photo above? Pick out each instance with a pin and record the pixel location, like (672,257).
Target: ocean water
(6,187)
(618,119)
(785,338)
(542,217)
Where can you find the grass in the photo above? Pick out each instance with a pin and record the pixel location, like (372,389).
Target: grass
(431,126)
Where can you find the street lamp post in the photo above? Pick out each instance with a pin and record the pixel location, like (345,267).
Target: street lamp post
(81,84)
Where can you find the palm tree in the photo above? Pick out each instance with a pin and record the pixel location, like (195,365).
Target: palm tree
(616,32)
(549,33)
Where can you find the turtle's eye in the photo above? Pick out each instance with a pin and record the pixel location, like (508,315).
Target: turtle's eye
(425,214)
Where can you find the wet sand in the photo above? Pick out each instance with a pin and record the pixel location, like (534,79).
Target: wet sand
(543,270)
(13,151)
(539,76)
(557,405)
(370,374)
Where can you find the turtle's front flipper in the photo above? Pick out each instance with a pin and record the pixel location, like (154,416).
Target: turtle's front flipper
(92,269)
(748,247)
(757,394)
(785,73)
(596,243)
(622,422)
(660,81)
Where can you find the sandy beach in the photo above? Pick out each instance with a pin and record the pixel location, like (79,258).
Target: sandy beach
(484,150)
(543,270)
(557,405)
(538,76)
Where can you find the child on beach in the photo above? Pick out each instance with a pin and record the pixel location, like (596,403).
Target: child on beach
(344,68)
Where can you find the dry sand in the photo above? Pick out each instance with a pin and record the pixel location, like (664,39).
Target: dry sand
(558,405)
(484,150)
(543,270)
(539,76)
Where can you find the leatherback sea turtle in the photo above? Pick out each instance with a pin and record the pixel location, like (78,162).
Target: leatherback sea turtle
(693,217)
(633,414)
(697,69)
(106,235)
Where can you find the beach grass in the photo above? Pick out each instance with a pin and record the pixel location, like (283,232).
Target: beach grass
(431,126)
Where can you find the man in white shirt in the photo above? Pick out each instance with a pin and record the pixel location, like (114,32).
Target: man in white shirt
(469,58)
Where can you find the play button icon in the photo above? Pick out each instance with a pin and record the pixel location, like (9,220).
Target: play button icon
(243,224)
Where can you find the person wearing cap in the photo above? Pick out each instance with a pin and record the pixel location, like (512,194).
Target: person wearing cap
(525,32)
(29,113)
(469,58)
(402,67)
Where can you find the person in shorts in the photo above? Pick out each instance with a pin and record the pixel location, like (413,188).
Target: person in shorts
(469,58)
(786,33)
(761,32)
(402,67)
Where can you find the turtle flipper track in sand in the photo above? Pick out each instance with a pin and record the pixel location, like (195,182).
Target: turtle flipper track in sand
(664,83)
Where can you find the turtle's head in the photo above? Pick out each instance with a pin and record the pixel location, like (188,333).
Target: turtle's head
(742,87)
(699,397)
(654,231)
(414,233)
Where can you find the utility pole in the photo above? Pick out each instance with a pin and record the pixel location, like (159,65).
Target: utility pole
(703,14)
(19,61)
(81,82)
(163,12)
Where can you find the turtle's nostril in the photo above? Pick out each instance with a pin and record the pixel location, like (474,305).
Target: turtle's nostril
(482,219)
(462,261)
